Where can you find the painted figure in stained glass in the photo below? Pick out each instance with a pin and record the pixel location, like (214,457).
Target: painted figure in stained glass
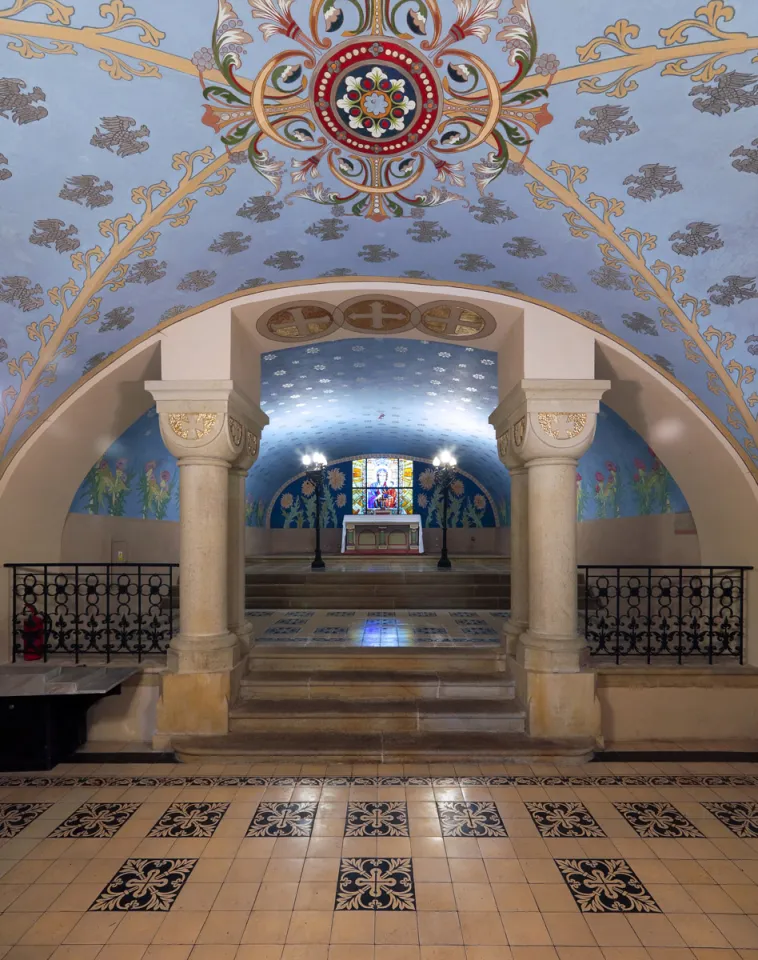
(382,496)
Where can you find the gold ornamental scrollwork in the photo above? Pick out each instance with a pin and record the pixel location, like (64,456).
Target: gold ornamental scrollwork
(192,426)
(519,432)
(252,443)
(562,426)
(503,442)
(236,432)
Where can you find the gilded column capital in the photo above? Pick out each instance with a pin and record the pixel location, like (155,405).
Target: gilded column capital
(547,418)
(209,419)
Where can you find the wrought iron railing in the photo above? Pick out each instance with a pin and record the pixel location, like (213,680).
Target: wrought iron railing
(87,609)
(684,613)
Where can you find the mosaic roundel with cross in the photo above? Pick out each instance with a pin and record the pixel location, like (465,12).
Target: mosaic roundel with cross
(380,97)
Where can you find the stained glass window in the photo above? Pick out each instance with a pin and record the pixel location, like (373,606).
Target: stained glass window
(382,485)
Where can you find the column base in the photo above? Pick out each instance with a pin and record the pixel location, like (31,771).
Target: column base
(557,690)
(195,703)
(219,653)
(512,630)
(245,635)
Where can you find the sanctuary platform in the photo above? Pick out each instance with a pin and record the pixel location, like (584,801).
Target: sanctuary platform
(365,584)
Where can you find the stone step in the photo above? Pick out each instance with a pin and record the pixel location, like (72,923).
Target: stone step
(432,577)
(372,590)
(453,660)
(378,747)
(340,602)
(368,716)
(376,685)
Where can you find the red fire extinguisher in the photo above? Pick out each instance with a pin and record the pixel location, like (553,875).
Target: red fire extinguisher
(33,634)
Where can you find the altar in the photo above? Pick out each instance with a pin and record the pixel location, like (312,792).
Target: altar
(382,533)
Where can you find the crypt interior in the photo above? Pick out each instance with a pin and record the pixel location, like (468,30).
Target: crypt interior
(378,480)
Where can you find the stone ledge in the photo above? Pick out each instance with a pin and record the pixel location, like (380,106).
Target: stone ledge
(674,675)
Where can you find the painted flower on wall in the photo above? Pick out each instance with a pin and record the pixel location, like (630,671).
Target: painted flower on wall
(426,479)
(341,500)
(423,501)
(286,501)
(336,479)
(308,488)
(479,502)
(457,488)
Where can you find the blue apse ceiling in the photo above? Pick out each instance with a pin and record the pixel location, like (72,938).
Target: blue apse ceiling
(377,395)
(632,207)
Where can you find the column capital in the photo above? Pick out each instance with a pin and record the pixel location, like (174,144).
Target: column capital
(208,419)
(547,418)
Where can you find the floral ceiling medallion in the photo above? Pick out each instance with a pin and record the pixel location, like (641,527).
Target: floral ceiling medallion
(377,113)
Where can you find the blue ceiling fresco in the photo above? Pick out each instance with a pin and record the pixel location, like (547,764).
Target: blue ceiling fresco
(372,395)
(633,208)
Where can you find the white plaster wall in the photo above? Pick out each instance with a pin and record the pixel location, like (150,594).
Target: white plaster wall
(128,717)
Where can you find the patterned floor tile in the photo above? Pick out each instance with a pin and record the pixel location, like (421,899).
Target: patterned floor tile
(421,613)
(283,820)
(741,817)
(145,885)
(375,819)
(431,631)
(652,819)
(341,613)
(332,633)
(368,883)
(606,886)
(189,820)
(470,818)
(95,820)
(564,819)
(15,816)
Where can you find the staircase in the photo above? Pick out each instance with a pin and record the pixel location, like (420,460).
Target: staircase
(363,590)
(383,706)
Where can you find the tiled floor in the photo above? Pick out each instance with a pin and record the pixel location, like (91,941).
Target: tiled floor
(378,628)
(234,862)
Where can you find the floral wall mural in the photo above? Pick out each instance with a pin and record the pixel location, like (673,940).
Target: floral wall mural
(619,476)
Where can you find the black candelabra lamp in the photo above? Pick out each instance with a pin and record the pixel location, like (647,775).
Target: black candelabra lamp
(444,476)
(315,470)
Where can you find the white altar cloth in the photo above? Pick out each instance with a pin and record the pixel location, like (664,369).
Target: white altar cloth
(382,518)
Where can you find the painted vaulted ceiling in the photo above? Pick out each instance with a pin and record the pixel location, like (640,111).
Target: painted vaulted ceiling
(602,157)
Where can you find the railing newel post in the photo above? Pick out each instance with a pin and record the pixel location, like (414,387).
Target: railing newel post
(618,615)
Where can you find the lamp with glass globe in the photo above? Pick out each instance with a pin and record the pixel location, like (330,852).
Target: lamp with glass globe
(315,470)
(444,475)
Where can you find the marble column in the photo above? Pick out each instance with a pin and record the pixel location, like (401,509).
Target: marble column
(205,425)
(238,472)
(550,424)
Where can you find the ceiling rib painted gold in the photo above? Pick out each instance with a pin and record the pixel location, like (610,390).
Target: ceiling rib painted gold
(601,157)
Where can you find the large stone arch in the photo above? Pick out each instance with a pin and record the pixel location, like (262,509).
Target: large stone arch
(80,426)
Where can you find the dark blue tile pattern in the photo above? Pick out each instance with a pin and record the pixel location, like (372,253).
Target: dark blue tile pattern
(370,883)
(189,819)
(606,886)
(273,819)
(96,820)
(144,884)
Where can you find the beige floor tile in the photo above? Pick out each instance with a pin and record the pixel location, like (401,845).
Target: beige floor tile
(553,898)
(467,871)
(283,870)
(673,898)
(711,899)
(461,847)
(321,870)
(481,928)
(514,897)
(439,928)
(236,896)
(315,896)
(396,952)
(13,926)
(167,952)
(306,951)
(138,927)
(276,896)
(122,951)
(541,871)
(498,952)
(325,847)
(525,929)
(214,951)
(353,927)
(698,931)
(504,871)
(223,926)
(260,951)
(740,931)
(427,847)
(77,897)
(435,896)
(247,870)
(474,897)
(267,926)
(197,896)
(180,928)
(569,930)
(353,951)
(78,952)
(310,926)
(580,953)
(94,928)
(611,930)
(534,953)
(655,931)
(441,952)
(212,870)
(397,927)
(50,929)
(432,870)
